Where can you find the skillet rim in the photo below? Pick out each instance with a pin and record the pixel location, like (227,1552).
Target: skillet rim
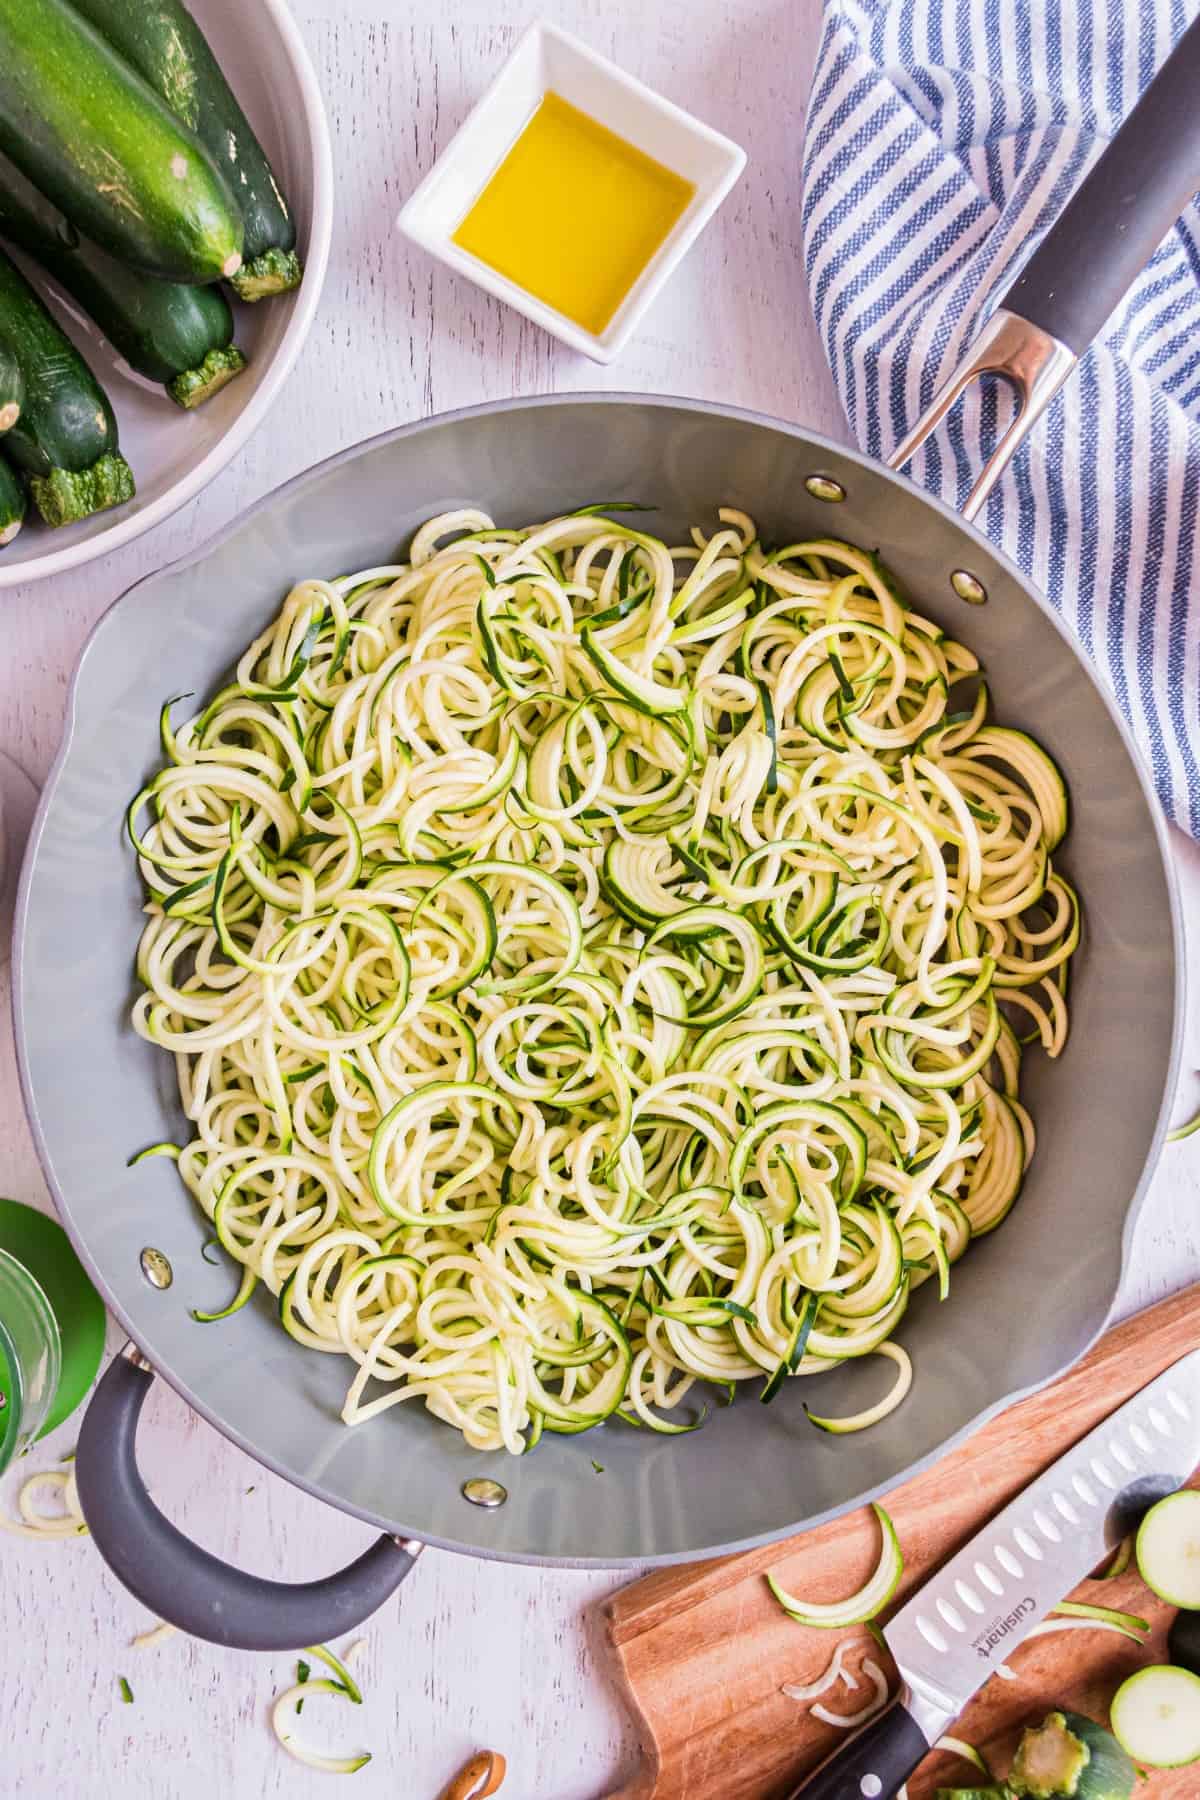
(908,490)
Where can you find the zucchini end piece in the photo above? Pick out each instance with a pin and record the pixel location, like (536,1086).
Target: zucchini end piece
(1050,1760)
(274,272)
(194,386)
(12,503)
(9,415)
(65,496)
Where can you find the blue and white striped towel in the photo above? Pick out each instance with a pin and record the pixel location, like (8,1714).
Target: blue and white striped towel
(941,135)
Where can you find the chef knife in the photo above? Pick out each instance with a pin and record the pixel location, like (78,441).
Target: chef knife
(984,1602)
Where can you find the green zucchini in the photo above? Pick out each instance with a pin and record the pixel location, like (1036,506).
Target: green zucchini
(12,503)
(169,331)
(162,41)
(88,131)
(1156,1717)
(12,389)
(65,440)
(1183,1641)
(1168,1548)
(1070,1756)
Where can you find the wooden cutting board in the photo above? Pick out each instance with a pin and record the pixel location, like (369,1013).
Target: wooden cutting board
(703,1650)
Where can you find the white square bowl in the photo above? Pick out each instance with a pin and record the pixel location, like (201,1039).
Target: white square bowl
(549,60)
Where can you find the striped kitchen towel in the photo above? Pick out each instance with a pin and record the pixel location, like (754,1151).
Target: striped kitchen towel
(943,134)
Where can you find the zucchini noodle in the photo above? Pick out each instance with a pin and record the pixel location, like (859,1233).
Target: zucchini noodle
(69,1523)
(833,1673)
(150,1640)
(875,1704)
(595,968)
(283,1712)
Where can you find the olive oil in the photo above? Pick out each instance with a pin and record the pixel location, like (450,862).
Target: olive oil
(574,213)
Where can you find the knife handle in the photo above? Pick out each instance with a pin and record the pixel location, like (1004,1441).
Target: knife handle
(874,1765)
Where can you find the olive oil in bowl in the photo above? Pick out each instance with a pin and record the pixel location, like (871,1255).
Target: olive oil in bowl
(574,213)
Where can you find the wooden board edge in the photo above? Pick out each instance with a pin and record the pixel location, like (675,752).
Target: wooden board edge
(645,1781)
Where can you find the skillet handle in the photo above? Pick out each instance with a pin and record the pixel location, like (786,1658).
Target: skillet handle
(1104,236)
(186,1585)
(1121,211)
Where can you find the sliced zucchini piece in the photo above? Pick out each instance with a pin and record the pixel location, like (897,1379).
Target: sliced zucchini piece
(1168,1549)
(641,691)
(856,1609)
(1156,1716)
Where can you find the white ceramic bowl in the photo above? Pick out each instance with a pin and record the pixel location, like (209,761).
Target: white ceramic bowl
(547,59)
(174,454)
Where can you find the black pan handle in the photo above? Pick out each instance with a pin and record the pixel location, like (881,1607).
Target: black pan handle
(187,1586)
(1104,236)
(874,1765)
(1121,211)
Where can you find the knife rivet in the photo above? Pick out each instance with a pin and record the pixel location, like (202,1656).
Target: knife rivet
(870,1786)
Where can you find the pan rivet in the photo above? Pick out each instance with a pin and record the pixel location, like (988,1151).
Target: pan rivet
(968,587)
(482,1492)
(824,487)
(156,1268)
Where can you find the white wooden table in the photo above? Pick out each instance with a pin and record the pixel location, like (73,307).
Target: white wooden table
(471,1654)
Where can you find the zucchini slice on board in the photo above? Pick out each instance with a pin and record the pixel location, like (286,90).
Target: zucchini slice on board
(162,41)
(12,503)
(169,331)
(95,137)
(1168,1549)
(65,440)
(1156,1716)
(12,389)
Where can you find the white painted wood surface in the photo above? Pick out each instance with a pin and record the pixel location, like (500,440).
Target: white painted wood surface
(471,1654)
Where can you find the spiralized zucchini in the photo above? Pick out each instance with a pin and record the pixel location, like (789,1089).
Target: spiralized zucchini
(595,967)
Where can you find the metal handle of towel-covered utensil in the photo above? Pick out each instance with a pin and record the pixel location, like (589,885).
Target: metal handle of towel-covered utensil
(1084,265)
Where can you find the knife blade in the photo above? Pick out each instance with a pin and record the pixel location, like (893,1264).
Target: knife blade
(984,1602)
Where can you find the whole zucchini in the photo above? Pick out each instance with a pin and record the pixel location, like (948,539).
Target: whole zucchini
(1183,1641)
(90,133)
(12,503)
(162,41)
(173,332)
(66,437)
(12,389)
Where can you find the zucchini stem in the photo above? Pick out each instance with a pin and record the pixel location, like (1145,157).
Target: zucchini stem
(194,386)
(274,272)
(65,496)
